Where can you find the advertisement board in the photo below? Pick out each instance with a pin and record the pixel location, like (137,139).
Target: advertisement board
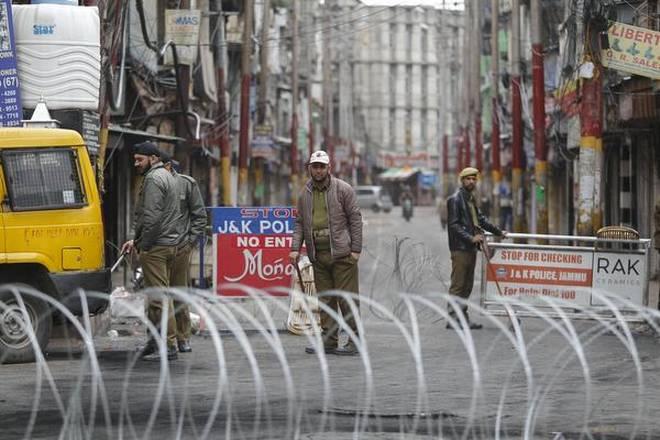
(571,275)
(182,28)
(251,247)
(531,274)
(632,49)
(11,111)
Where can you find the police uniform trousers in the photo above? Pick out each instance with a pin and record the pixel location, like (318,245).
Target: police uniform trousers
(157,264)
(181,279)
(341,274)
(463,264)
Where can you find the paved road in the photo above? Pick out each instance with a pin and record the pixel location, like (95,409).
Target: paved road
(416,379)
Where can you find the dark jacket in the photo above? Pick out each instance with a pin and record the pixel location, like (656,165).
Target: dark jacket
(157,210)
(344,220)
(459,222)
(192,216)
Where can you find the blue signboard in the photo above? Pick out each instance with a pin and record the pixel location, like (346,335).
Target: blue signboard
(427,180)
(11,111)
(260,220)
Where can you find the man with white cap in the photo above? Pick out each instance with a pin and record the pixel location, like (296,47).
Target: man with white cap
(465,227)
(330,223)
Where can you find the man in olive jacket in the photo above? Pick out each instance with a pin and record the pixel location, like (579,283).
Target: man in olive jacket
(330,223)
(192,218)
(157,233)
(465,227)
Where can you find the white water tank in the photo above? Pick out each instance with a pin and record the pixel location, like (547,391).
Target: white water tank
(55,2)
(58,51)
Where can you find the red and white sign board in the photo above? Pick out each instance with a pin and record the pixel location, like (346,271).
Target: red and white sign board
(531,274)
(251,249)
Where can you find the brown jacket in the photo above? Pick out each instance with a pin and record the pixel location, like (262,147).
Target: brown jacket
(344,220)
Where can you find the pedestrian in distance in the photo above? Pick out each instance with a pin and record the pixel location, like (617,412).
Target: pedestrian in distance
(465,227)
(192,221)
(157,233)
(329,222)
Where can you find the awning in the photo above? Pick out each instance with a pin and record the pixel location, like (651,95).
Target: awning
(145,134)
(398,173)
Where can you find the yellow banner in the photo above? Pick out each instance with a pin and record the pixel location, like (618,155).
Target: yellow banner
(632,49)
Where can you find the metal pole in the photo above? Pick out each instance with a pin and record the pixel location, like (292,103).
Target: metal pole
(327,83)
(262,105)
(294,105)
(244,137)
(445,166)
(476,83)
(591,150)
(223,117)
(467,87)
(495,131)
(516,110)
(541,166)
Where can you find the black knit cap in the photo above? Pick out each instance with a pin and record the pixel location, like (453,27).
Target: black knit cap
(146,148)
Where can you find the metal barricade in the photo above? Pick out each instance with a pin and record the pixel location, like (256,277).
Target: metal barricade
(569,268)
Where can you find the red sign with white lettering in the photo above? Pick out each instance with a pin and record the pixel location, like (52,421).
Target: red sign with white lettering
(252,246)
(256,261)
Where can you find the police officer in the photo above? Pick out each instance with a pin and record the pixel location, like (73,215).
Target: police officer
(192,221)
(466,226)
(330,223)
(157,234)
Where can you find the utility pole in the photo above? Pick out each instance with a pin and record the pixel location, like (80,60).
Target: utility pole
(516,110)
(476,83)
(541,166)
(262,104)
(327,84)
(223,117)
(445,166)
(467,88)
(308,62)
(244,138)
(495,131)
(591,151)
(591,132)
(294,105)
(183,76)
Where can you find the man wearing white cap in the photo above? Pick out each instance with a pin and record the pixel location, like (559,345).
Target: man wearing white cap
(465,227)
(330,223)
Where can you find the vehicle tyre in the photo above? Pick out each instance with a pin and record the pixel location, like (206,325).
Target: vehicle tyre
(375,208)
(15,344)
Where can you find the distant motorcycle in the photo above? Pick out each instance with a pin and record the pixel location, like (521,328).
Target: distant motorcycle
(407,208)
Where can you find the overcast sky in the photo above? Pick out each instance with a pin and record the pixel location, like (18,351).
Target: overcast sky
(437,3)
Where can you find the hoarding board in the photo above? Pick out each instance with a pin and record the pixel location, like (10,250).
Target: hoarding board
(251,247)
(11,111)
(182,28)
(620,274)
(632,49)
(531,274)
(571,275)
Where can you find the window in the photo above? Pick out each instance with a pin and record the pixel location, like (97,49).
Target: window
(409,42)
(392,82)
(424,125)
(425,43)
(409,81)
(424,85)
(43,179)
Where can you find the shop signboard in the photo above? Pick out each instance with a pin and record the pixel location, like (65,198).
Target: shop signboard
(11,111)
(633,50)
